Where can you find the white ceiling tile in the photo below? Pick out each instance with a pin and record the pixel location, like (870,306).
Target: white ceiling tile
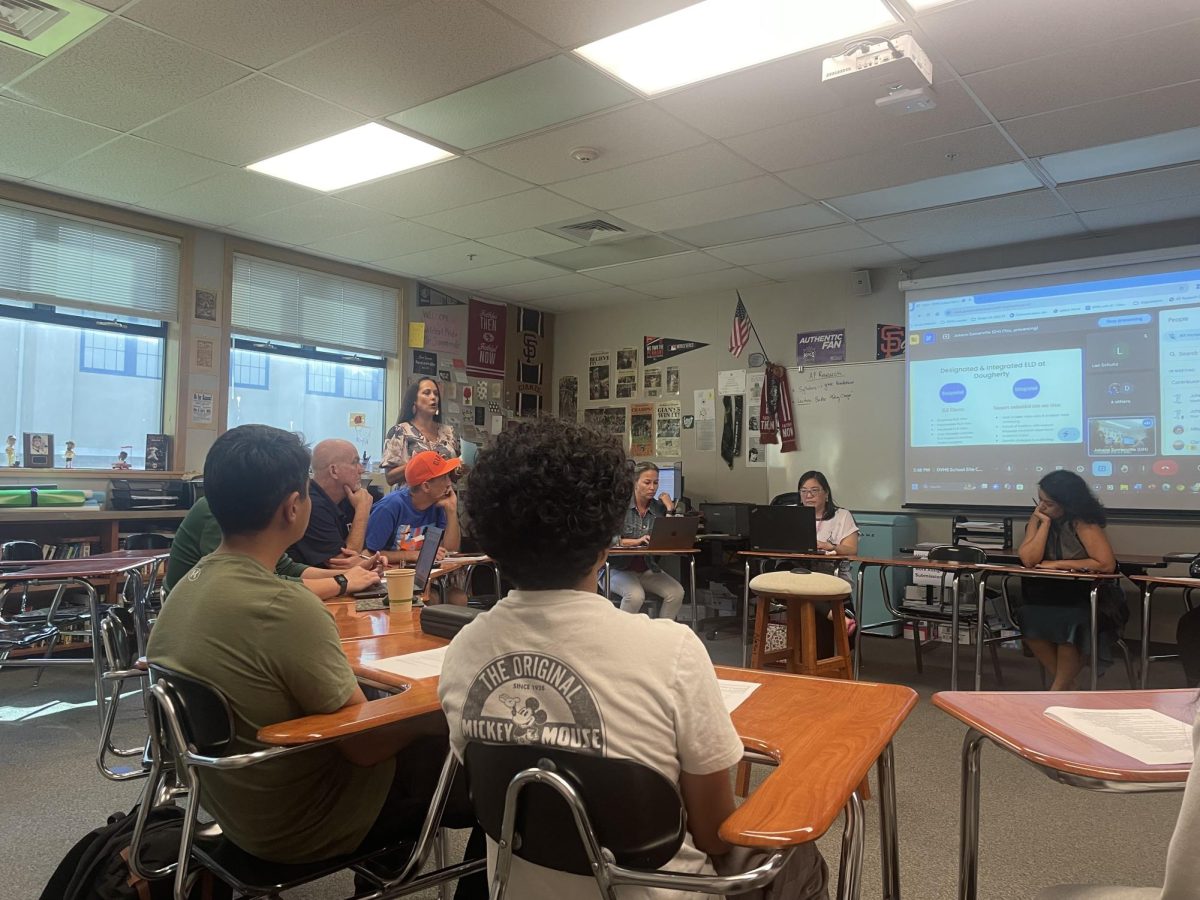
(313,220)
(110,5)
(942,191)
(895,165)
(1125,156)
(857,129)
(1086,73)
(981,35)
(781,91)
(1108,121)
(384,242)
(1143,213)
(1123,190)
(130,170)
(421,51)
(255,34)
(674,266)
(981,233)
(250,121)
(613,296)
(531,208)
(122,75)
(805,243)
(516,271)
(575,24)
(13,62)
(728,201)
(704,283)
(766,224)
(621,137)
(231,197)
(546,288)
(443,185)
(454,258)
(997,211)
(33,140)
(688,170)
(862,258)
(530,242)
(546,93)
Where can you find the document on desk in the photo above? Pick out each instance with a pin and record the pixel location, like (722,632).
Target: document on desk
(734,693)
(1146,735)
(423,664)
(465,558)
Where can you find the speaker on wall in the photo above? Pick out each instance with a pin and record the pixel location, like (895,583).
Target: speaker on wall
(860,282)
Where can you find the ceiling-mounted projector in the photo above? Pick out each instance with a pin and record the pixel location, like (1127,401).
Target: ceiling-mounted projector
(878,67)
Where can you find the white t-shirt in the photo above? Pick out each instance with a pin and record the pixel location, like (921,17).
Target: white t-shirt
(836,530)
(602,681)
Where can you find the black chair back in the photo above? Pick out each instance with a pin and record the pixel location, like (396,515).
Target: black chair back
(148,540)
(957,553)
(120,637)
(203,712)
(13,551)
(635,811)
(791,498)
(1194,568)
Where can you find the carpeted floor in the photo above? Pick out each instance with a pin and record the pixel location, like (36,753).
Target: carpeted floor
(1034,832)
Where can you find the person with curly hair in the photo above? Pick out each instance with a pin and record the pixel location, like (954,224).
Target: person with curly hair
(554,663)
(1066,531)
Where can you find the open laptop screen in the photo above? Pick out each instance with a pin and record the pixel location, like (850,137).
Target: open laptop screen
(427,557)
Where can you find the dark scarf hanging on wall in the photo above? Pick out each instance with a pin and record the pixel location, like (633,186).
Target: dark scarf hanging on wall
(775,411)
(731,431)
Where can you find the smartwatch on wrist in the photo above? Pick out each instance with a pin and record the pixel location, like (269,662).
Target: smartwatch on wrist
(343,585)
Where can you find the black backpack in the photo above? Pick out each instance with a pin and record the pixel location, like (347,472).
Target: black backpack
(97,867)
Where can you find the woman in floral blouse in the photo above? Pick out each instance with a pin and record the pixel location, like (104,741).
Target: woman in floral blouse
(419,428)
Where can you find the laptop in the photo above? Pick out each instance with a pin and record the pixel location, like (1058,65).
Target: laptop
(673,533)
(426,558)
(783,529)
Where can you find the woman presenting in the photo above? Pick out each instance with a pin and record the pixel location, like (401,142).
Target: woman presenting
(632,576)
(1066,532)
(419,428)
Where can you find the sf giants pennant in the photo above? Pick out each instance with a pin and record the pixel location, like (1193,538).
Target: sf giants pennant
(658,349)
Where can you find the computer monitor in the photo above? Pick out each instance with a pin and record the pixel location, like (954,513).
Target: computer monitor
(670,480)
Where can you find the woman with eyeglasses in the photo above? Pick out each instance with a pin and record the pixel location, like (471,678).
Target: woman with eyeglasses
(1066,532)
(837,531)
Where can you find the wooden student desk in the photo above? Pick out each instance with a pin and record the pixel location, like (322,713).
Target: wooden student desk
(1016,721)
(691,553)
(823,755)
(1149,584)
(353,625)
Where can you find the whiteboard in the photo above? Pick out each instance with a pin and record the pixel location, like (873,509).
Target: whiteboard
(849,425)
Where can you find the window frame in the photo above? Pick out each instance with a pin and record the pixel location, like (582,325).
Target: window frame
(311,354)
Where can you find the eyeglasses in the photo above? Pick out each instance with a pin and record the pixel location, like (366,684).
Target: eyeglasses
(811,492)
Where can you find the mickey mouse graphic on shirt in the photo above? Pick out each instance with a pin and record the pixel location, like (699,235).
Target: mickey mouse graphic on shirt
(528,718)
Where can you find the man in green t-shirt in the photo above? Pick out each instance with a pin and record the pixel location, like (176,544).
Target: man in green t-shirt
(272,649)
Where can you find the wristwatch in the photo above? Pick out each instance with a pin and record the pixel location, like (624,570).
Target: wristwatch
(343,585)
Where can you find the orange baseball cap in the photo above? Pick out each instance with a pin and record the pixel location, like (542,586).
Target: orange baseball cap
(428,465)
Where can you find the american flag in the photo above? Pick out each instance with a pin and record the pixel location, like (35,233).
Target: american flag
(740,336)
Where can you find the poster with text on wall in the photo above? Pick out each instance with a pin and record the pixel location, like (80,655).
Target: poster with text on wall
(608,419)
(815,348)
(487,324)
(755,451)
(652,382)
(599,375)
(668,429)
(444,329)
(705,406)
(641,429)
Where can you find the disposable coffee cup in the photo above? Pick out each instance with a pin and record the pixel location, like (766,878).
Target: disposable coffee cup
(399,588)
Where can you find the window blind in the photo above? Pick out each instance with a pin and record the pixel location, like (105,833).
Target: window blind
(275,300)
(47,258)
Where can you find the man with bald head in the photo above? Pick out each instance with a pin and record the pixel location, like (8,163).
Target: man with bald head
(340,505)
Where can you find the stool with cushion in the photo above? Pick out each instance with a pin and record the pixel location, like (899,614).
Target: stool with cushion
(799,592)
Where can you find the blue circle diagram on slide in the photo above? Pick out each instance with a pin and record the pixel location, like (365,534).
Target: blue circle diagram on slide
(1026,388)
(1068,435)
(954,392)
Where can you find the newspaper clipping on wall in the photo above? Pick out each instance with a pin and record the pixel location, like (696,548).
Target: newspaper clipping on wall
(641,429)
(667,432)
(568,398)
(608,419)
(599,374)
(755,452)
(652,382)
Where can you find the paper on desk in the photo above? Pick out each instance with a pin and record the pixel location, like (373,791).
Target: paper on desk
(734,693)
(465,558)
(1146,735)
(423,664)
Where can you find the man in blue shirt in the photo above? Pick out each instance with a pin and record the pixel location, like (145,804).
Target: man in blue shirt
(396,527)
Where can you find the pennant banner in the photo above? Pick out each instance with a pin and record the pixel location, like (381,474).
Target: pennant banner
(658,349)
(431,296)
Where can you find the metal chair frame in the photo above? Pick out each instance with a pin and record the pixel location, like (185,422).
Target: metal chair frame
(123,664)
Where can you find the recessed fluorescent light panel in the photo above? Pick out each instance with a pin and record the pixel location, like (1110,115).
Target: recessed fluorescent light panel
(352,157)
(919,5)
(719,36)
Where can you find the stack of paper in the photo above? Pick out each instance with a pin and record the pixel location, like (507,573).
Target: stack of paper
(1146,735)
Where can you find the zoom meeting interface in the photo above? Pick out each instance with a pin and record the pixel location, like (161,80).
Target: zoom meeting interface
(1101,378)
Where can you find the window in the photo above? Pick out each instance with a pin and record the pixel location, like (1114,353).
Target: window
(95,380)
(312,390)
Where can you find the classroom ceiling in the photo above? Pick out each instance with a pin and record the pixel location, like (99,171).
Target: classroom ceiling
(1054,118)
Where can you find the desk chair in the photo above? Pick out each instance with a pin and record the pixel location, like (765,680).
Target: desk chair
(67,618)
(615,820)
(191,727)
(118,635)
(789,498)
(150,540)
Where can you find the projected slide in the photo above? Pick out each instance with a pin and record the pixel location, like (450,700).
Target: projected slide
(1096,373)
(1022,398)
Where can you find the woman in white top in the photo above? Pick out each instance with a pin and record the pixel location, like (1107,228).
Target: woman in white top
(837,531)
